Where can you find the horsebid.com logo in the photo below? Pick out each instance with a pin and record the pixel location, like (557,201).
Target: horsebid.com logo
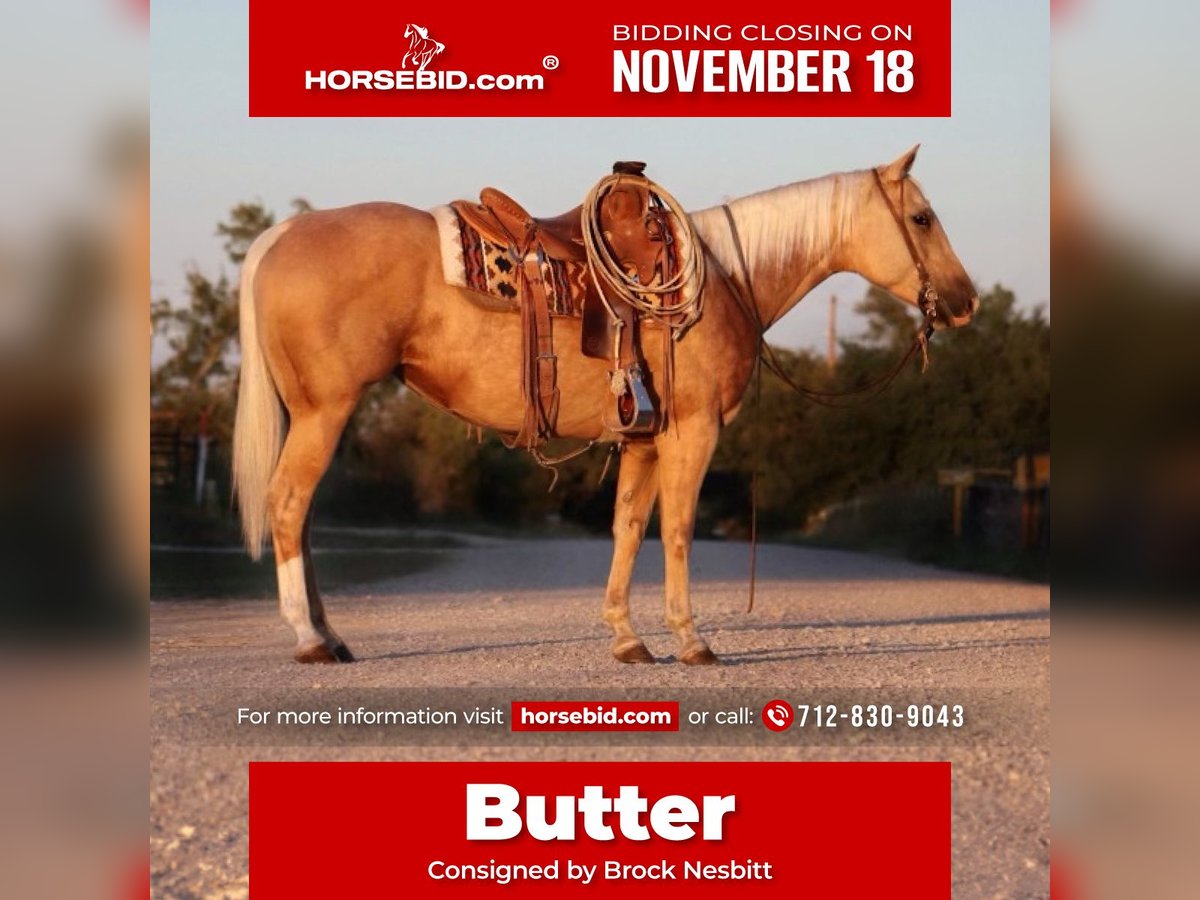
(413,74)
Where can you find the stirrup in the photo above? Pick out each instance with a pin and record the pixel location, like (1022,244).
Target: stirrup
(635,409)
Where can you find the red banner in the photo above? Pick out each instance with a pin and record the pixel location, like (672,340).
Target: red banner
(379,58)
(847,830)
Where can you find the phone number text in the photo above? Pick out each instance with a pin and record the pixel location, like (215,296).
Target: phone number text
(881,715)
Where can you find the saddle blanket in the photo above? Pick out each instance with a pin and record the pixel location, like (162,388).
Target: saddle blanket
(472,262)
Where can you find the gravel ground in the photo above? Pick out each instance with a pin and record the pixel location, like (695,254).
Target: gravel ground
(524,614)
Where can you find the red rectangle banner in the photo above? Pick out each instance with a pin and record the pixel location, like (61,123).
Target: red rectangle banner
(846,830)
(595,715)
(378,58)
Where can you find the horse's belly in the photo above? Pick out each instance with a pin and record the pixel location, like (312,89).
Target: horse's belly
(487,391)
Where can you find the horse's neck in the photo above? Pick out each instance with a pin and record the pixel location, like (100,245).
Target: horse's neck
(783,242)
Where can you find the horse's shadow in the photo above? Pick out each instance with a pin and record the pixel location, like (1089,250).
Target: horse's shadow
(790,653)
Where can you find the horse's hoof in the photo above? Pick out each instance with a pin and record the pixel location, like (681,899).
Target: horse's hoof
(321,653)
(634,653)
(700,656)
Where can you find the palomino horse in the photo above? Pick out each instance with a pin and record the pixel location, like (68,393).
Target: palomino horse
(421,47)
(333,301)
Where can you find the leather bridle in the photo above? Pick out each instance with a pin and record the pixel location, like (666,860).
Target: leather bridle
(927,296)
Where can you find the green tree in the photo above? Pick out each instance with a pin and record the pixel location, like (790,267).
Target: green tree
(197,378)
(889,322)
(984,400)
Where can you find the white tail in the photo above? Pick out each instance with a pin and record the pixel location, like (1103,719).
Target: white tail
(259,428)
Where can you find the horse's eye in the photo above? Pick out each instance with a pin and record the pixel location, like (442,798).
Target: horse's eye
(921,219)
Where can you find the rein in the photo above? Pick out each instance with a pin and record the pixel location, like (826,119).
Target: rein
(927,298)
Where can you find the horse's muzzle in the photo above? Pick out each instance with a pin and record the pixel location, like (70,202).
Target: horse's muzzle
(948,319)
(960,321)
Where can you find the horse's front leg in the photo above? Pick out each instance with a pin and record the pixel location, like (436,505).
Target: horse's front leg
(637,485)
(684,451)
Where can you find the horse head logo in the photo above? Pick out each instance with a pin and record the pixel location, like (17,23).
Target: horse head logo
(421,47)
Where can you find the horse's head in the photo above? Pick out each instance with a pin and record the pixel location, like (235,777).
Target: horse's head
(416,30)
(903,249)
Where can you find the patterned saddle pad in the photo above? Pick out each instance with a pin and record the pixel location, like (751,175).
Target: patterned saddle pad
(471,261)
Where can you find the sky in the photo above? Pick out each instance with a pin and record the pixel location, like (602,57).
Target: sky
(985,168)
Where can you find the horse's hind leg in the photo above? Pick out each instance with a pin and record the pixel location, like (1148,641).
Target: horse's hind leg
(637,485)
(684,454)
(306,453)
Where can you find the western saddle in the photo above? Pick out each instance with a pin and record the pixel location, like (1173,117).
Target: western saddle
(502,220)
(638,238)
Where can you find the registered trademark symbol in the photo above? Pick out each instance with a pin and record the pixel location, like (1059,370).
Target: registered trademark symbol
(550,62)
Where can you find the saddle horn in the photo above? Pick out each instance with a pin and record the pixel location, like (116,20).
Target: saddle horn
(629,168)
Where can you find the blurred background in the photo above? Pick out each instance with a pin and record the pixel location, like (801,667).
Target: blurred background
(1126,801)
(74,496)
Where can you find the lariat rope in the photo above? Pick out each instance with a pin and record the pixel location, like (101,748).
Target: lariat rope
(688,282)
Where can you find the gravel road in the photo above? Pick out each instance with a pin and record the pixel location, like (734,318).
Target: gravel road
(495,614)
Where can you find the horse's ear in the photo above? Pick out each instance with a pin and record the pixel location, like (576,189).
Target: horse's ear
(898,170)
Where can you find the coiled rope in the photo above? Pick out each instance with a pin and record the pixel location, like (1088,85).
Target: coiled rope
(688,281)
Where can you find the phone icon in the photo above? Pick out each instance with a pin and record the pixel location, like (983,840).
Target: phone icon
(778,715)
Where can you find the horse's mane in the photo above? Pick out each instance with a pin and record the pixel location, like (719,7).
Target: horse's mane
(806,217)
(422,32)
